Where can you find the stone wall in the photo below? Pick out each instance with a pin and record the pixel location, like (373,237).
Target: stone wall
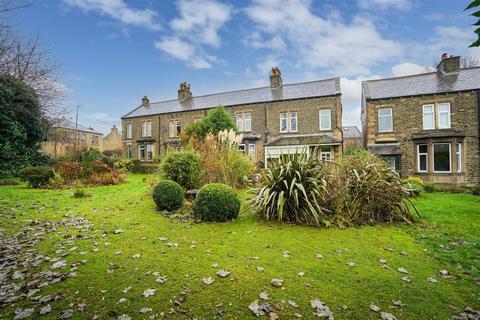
(408,132)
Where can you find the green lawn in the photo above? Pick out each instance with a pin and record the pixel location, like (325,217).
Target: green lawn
(446,238)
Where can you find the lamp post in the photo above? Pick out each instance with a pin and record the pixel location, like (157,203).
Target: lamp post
(76,129)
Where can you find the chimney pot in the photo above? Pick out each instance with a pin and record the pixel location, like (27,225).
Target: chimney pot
(275,78)
(145,101)
(184,92)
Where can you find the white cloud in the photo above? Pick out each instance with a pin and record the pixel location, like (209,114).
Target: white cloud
(407,68)
(197,26)
(201,20)
(184,51)
(385,4)
(318,42)
(118,10)
(351,117)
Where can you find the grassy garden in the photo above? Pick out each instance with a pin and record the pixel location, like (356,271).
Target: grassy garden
(113,255)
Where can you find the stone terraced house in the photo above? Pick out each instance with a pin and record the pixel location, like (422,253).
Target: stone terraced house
(274,120)
(426,125)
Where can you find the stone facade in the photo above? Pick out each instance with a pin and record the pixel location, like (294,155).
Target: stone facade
(113,142)
(65,141)
(408,133)
(265,124)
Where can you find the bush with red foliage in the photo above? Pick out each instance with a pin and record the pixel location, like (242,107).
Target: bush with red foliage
(69,171)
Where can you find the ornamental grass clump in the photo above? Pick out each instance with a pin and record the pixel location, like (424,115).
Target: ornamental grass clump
(293,191)
(358,189)
(364,190)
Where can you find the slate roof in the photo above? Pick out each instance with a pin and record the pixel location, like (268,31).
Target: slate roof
(420,84)
(295,140)
(68,124)
(319,88)
(351,132)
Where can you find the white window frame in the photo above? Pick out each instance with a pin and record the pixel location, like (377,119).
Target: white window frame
(239,121)
(291,120)
(422,154)
(147,128)
(284,118)
(432,113)
(178,125)
(325,114)
(448,112)
(129,130)
(449,156)
(390,164)
(140,147)
(172,129)
(252,151)
(241,148)
(248,122)
(458,154)
(129,150)
(385,116)
(152,147)
(328,155)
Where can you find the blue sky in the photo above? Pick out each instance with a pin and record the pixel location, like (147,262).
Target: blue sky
(113,52)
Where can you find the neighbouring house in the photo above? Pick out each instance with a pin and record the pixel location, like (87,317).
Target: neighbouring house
(352,138)
(274,120)
(65,138)
(113,142)
(426,125)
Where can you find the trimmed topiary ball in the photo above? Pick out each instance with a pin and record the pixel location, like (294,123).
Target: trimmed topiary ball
(216,202)
(168,195)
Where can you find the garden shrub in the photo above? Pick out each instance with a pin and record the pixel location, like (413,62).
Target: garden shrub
(355,190)
(168,195)
(69,171)
(222,162)
(216,202)
(183,167)
(292,192)
(145,168)
(56,182)
(124,164)
(8,182)
(429,187)
(414,183)
(36,177)
(80,193)
(362,189)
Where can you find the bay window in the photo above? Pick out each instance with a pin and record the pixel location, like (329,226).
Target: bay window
(141,152)
(458,154)
(441,157)
(385,120)
(251,152)
(149,152)
(325,153)
(422,158)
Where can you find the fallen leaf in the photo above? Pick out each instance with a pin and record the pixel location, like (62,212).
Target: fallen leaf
(149,292)
(277,282)
(208,280)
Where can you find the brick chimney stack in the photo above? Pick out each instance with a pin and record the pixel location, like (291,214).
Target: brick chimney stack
(275,78)
(145,101)
(184,92)
(114,129)
(448,64)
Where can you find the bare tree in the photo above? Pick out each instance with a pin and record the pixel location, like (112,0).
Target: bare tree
(26,60)
(11,5)
(465,62)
